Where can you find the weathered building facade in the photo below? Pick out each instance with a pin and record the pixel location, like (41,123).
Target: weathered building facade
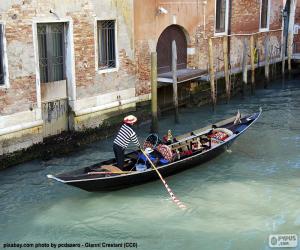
(193,23)
(65,64)
(70,64)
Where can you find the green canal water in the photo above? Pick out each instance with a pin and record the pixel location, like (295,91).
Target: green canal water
(235,201)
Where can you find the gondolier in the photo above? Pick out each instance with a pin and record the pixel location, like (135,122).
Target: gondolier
(124,136)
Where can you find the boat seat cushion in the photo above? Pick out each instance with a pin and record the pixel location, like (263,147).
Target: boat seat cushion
(220,133)
(110,168)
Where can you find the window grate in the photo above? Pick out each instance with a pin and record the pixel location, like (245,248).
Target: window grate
(264,14)
(51,51)
(220,16)
(106,44)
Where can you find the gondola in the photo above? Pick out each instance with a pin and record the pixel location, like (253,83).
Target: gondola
(188,150)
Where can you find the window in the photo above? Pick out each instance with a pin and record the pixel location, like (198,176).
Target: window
(51,51)
(106,44)
(264,14)
(221,16)
(2,71)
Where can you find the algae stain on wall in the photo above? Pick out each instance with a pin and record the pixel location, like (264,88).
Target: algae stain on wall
(125,8)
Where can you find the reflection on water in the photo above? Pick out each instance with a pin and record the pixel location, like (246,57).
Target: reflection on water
(234,201)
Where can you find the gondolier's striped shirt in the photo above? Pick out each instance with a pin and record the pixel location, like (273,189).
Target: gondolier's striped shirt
(125,135)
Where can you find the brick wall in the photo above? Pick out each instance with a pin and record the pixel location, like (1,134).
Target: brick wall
(245,16)
(143,61)
(84,47)
(18,19)
(21,95)
(90,82)
(20,103)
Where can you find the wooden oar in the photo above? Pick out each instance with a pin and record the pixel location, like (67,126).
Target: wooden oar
(176,200)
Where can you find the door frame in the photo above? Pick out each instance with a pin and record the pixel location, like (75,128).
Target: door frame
(69,60)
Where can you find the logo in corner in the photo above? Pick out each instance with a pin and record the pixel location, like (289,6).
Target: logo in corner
(283,240)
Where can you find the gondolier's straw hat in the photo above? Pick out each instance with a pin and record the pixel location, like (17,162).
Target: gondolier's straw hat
(131,119)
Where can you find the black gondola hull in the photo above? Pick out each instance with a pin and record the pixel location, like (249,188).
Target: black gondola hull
(80,179)
(121,182)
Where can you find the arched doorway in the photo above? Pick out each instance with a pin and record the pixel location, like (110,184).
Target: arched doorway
(164,49)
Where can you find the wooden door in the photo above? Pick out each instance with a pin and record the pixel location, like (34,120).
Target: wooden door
(164,49)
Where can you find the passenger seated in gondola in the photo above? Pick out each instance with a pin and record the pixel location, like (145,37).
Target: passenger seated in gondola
(168,139)
(162,153)
(165,151)
(156,157)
